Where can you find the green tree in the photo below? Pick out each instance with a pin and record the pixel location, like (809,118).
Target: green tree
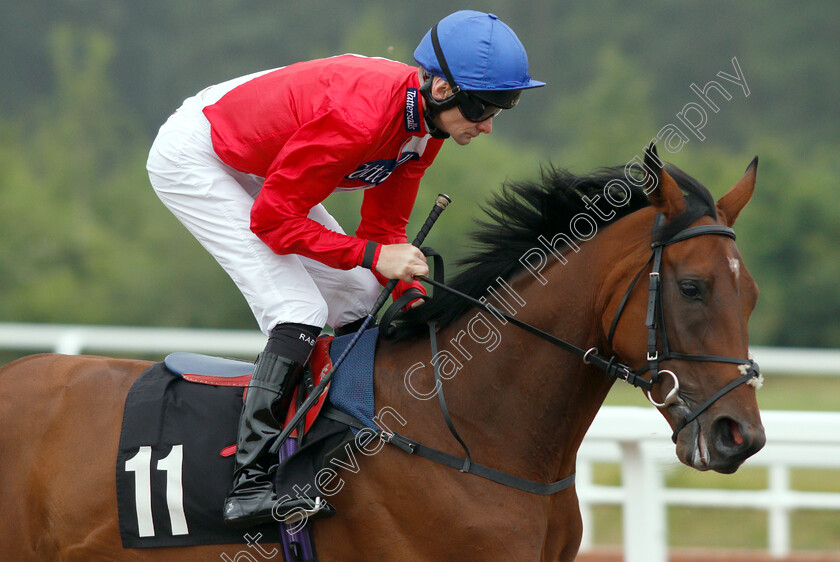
(790,232)
(610,120)
(84,239)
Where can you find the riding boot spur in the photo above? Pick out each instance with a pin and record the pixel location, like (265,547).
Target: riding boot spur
(252,498)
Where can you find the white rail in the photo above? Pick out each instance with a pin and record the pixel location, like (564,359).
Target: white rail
(74,339)
(639,440)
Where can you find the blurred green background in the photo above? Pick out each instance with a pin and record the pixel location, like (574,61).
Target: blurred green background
(86,84)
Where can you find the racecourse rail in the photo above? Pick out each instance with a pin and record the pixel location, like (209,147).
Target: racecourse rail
(636,438)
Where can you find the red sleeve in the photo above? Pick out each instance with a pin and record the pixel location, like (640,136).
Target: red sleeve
(385,213)
(387,207)
(307,170)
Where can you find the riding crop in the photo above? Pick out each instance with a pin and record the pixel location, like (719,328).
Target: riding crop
(440,204)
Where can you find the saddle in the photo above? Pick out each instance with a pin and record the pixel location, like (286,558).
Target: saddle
(175,457)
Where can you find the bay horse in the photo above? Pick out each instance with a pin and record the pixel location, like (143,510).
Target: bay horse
(522,405)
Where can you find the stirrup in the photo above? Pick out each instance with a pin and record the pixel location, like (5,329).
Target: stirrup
(300,509)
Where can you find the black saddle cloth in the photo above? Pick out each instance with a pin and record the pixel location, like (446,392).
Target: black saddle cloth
(171,476)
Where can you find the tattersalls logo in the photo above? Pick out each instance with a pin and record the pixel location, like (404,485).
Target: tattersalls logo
(375,172)
(412,111)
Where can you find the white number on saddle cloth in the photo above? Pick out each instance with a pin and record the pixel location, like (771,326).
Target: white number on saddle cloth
(141,465)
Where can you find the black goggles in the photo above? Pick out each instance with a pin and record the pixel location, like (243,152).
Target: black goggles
(476,109)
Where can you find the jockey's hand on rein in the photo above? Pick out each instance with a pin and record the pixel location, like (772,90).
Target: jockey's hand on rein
(401,261)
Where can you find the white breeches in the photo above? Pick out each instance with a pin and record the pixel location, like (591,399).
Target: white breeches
(214,202)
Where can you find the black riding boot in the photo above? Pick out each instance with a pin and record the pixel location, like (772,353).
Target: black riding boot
(252,497)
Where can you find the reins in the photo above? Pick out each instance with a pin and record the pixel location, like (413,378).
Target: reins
(611,366)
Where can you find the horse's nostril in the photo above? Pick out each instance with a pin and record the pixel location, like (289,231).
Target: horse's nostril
(728,433)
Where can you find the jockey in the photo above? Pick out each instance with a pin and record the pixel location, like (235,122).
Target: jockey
(245,165)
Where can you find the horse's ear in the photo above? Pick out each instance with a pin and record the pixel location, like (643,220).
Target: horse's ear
(736,198)
(662,190)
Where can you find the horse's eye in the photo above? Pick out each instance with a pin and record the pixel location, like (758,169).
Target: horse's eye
(690,290)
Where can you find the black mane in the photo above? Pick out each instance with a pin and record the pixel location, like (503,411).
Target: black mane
(523,211)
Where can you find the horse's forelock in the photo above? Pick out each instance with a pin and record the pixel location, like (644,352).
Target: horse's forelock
(699,201)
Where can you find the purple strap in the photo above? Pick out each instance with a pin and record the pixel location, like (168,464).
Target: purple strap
(297,546)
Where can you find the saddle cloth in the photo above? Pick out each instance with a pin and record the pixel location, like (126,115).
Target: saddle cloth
(175,464)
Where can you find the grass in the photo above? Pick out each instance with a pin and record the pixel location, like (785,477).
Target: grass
(731,528)
(816,530)
(737,528)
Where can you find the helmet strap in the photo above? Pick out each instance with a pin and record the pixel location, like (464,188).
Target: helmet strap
(434,107)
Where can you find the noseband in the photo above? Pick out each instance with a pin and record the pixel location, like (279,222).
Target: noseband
(655,322)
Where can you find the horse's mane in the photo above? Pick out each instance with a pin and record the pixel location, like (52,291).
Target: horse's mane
(523,211)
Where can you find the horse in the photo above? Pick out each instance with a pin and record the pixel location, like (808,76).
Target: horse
(562,253)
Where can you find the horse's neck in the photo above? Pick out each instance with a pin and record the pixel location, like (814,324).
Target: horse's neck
(515,397)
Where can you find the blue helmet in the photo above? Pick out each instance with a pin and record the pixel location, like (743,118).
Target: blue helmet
(482,54)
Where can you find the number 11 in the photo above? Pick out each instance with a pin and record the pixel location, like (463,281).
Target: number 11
(140,465)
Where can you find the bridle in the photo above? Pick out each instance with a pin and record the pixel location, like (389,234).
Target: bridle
(655,322)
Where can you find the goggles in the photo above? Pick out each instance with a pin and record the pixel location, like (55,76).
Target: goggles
(474,109)
(477,108)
